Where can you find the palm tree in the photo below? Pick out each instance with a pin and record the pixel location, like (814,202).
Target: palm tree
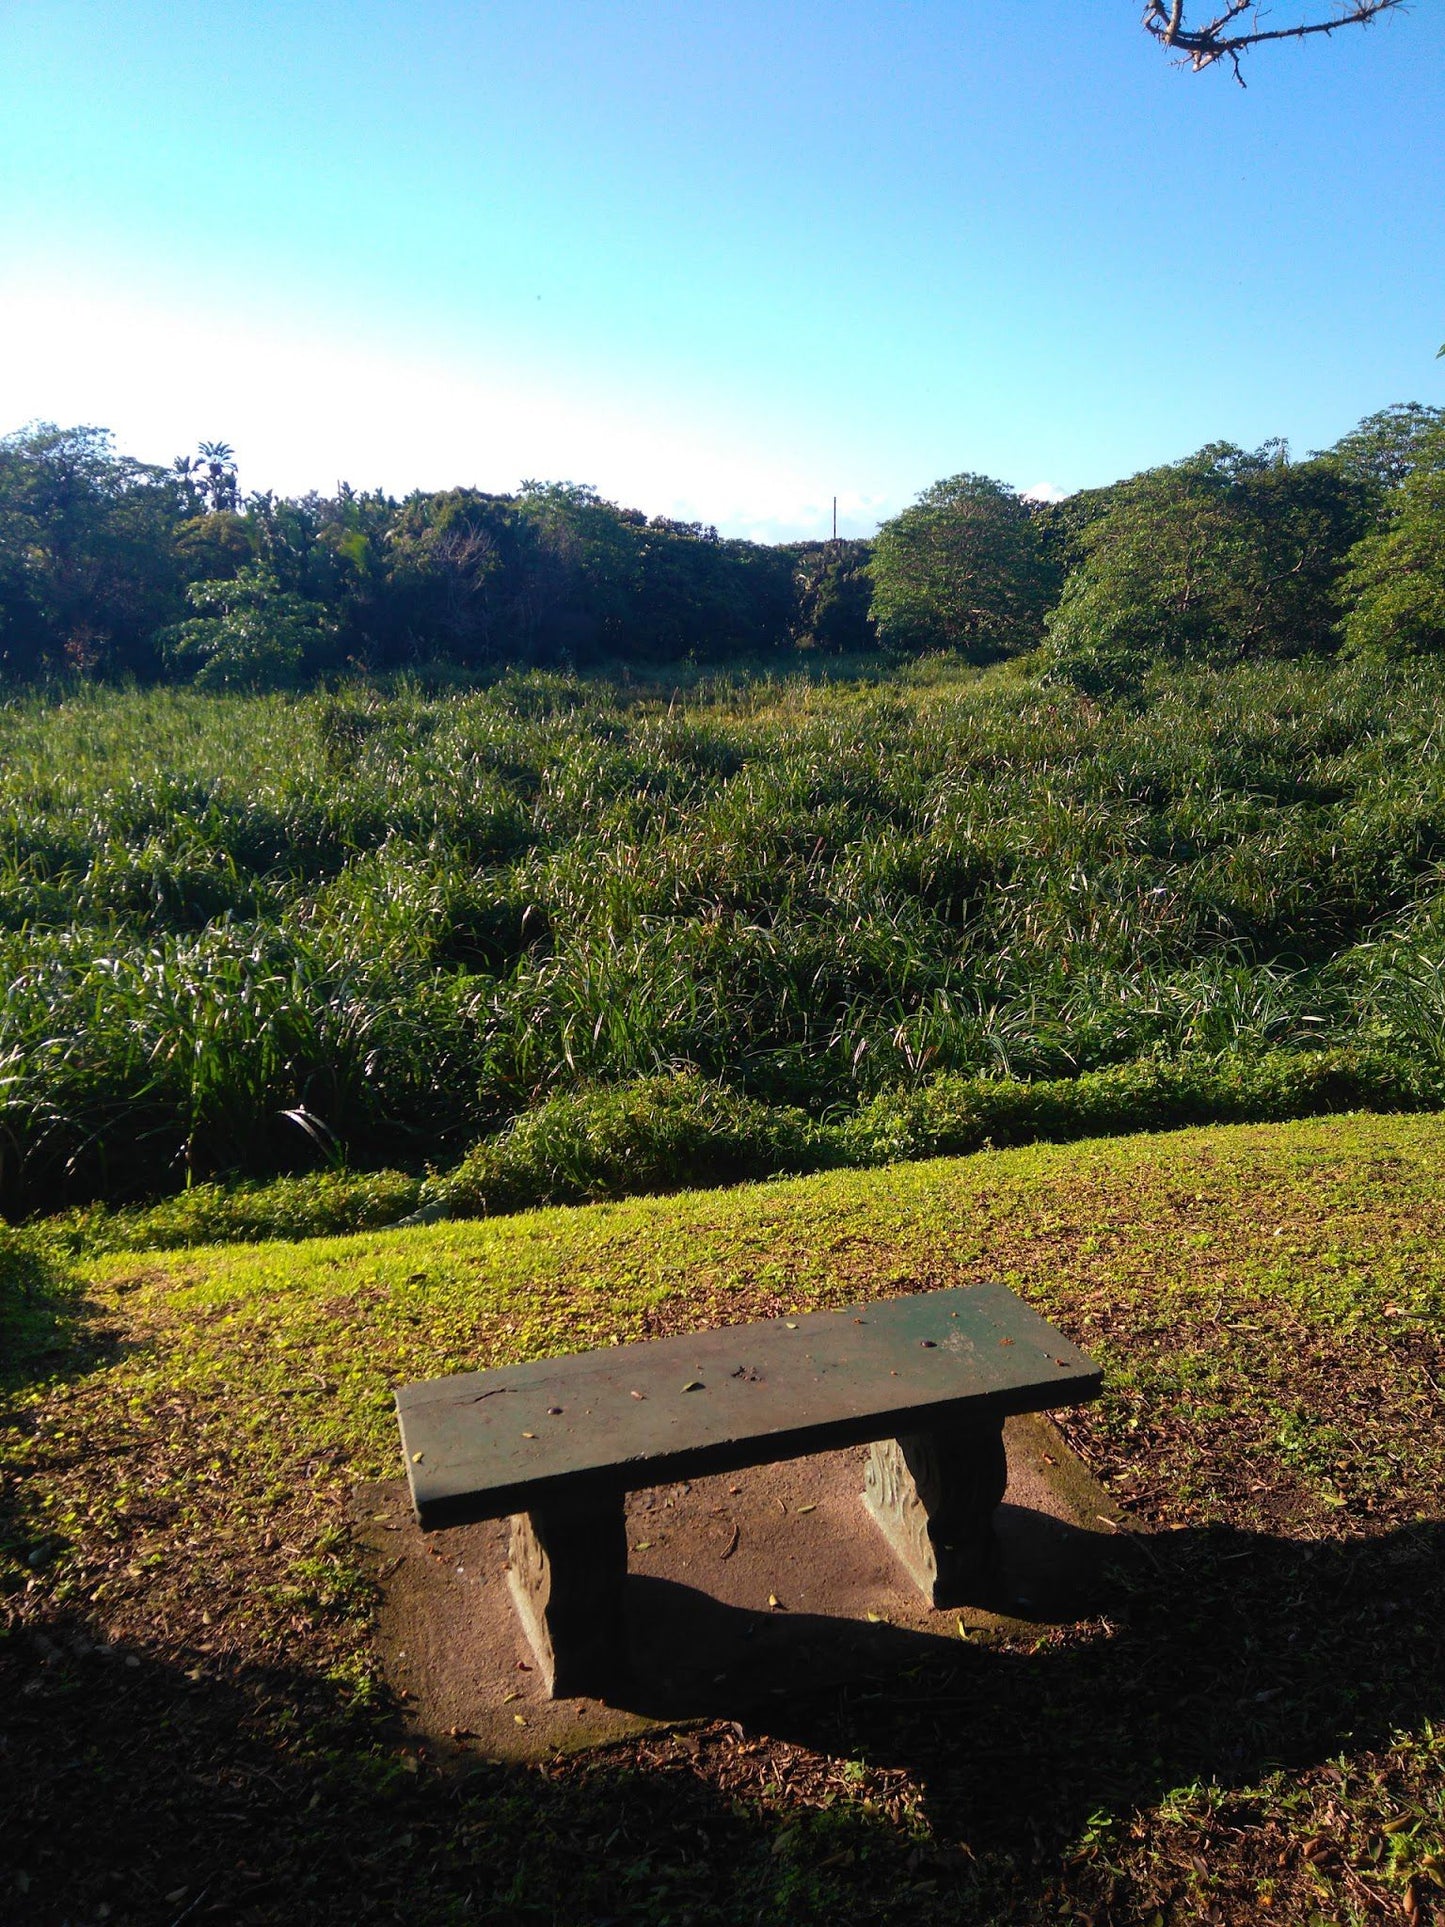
(187,470)
(220,484)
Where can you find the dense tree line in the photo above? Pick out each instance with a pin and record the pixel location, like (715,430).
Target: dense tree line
(1229,555)
(1234,555)
(113,568)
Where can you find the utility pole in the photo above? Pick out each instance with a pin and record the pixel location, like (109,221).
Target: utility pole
(835,518)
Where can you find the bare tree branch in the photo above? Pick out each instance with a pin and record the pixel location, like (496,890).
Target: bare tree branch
(1202,46)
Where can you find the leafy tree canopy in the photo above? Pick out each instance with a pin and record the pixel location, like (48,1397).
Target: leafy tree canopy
(87,570)
(1230,554)
(250,633)
(1384,449)
(110,567)
(963,569)
(1394,590)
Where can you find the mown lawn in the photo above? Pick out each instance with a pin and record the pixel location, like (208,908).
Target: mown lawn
(1254,1729)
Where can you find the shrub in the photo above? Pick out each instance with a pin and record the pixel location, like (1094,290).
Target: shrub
(656,1134)
(669,1133)
(955,1115)
(250,633)
(319,1205)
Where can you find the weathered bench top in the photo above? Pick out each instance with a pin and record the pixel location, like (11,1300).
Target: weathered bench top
(484,1444)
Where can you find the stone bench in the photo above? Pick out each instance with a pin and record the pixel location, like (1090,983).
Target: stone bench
(926,1381)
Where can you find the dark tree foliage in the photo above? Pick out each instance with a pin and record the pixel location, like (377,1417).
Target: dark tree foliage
(1061,526)
(475,578)
(214,546)
(834,590)
(88,568)
(108,566)
(697,593)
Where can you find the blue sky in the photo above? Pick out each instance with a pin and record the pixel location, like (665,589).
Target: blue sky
(721,260)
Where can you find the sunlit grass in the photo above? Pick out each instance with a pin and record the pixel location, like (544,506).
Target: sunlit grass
(1268,1304)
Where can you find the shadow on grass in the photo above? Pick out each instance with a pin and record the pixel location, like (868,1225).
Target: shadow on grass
(152,1786)
(1223,1655)
(48,1329)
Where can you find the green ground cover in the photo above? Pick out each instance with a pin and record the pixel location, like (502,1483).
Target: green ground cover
(1251,1729)
(239,935)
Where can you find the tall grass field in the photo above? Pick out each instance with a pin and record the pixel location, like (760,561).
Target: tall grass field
(557,938)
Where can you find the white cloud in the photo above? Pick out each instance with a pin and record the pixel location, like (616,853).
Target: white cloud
(1044,492)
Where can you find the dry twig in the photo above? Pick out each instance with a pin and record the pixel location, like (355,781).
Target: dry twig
(1202,46)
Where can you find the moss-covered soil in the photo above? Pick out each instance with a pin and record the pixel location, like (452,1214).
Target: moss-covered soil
(193,1728)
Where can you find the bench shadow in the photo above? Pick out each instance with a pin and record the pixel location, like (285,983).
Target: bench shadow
(152,1784)
(151,1789)
(696,1656)
(1215,1654)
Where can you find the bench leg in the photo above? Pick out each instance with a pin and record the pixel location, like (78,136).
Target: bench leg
(933,1495)
(568,1573)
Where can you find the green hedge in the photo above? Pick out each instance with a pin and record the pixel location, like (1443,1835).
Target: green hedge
(681,1131)
(318,1205)
(955,1115)
(668,1133)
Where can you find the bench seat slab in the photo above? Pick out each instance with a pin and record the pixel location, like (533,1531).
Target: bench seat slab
(485,1445)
